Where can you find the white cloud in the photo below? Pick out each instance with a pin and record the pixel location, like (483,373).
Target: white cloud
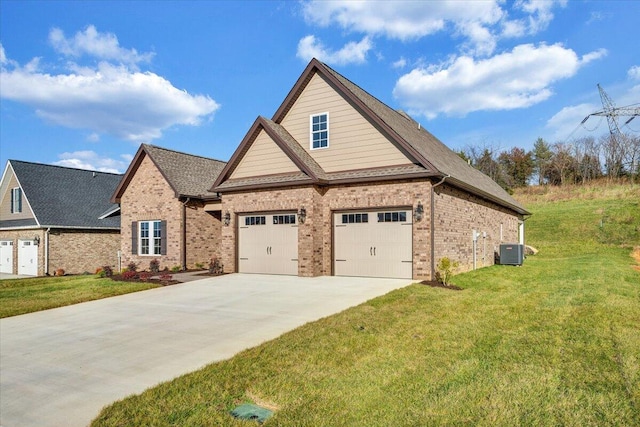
(352,53)
(480,23)
(92,161)
(107,98)
(565,124)
(634,72)
(516,79)
(93,137)
(400,63)
(104,46)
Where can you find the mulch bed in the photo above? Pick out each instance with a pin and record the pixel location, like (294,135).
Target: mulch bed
(436,284)
(162,282)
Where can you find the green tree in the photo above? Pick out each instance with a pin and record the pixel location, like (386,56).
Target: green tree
(542,155)
(518,166)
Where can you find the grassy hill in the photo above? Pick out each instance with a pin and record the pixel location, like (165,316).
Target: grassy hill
(554,342)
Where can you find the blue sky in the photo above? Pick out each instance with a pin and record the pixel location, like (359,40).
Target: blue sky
(82,84)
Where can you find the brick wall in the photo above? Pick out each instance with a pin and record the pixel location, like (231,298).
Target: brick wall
(150,197)
(77,251)
(457,214)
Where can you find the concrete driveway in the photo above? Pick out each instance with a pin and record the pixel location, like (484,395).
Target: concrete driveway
(60,367)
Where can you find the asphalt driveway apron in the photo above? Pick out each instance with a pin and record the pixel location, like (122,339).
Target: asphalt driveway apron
(60,367)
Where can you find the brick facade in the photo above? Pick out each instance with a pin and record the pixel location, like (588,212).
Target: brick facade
(456,214)
(75,251)
(149,197)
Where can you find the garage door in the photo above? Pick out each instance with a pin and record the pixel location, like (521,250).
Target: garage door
(373,244)
(6,256)
(27,258)
(268,243)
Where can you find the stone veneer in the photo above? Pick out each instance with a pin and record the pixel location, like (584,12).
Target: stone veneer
(150,197)
(456,214)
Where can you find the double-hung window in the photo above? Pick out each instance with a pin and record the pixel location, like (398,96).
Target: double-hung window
(16,200)
(319,130)
(150,236)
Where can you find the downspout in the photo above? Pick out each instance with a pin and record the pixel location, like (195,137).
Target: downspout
(433,227)
(184,233)
(46,251)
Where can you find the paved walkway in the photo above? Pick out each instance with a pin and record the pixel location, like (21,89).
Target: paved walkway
(60,367)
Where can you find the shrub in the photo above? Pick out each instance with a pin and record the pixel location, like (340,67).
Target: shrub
(166,276)
(215,267)
(132,266)
(175,268)
(154,266)
(107,270)
(199,265)
(129,275)
(144,276)
(99,270)
(60,272)
(446,267)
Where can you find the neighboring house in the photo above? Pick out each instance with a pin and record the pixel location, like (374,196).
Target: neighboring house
(167,210)
(338,183)
(54,217)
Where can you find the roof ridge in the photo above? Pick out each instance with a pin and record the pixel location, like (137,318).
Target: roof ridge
(62,167)
(183,153)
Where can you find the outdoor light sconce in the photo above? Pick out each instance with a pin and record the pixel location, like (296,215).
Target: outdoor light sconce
(302,215)
(419,211)
(227,219)
(36,241)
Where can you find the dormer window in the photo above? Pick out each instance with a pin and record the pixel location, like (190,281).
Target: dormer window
(319,131)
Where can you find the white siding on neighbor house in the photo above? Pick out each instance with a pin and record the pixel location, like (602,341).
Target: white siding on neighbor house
(264,157)
(354,143)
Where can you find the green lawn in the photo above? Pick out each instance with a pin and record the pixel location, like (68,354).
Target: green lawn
(19,296)
(554,342)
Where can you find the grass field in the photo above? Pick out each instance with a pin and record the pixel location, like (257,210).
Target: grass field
(554,342)
(19,296)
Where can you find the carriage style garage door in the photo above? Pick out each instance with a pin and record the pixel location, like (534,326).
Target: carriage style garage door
(373,243)
(27,258)
(6,256)
(268,243)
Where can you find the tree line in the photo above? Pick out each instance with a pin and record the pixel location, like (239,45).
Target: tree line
(576,162)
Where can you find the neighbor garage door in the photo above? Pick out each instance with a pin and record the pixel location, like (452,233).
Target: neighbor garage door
(268,243)
(373,243)
(6,256)
(27,258)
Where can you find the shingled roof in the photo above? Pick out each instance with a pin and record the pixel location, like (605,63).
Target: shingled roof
(187,174)
(64,197)
(430,156)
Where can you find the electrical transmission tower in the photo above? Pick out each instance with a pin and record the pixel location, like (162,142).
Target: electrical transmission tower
(611,112)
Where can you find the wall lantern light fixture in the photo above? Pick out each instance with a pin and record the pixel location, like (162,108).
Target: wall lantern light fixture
(419,212)
(36,240)
(227,218)
(302,215)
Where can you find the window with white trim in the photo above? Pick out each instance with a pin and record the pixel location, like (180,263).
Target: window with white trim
(319,130)
(392,216)
(150,237)
(16,200)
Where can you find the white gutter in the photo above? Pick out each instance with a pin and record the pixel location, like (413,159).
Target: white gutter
(46,251)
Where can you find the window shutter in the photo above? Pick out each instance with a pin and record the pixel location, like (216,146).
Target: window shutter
(134,238)
(12,195)
(163,237)
(19,193)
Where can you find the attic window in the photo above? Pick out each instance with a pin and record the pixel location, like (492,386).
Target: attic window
(319,131)
(16,200)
